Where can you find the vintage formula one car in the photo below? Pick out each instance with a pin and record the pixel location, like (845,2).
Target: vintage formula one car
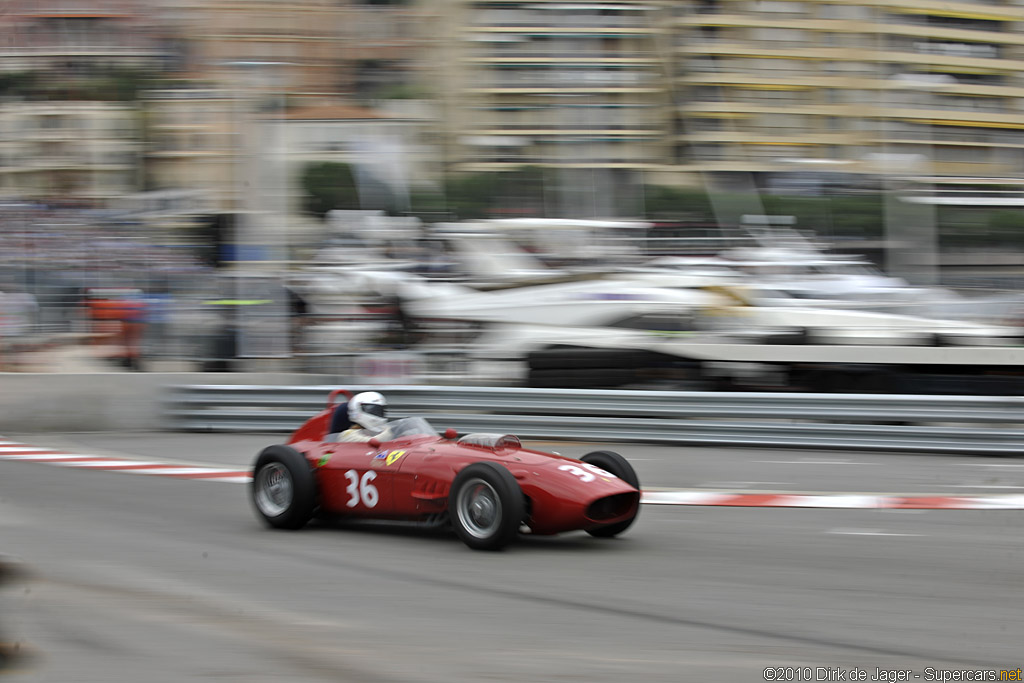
(487,486)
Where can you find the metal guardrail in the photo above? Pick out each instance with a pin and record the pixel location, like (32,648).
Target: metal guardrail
(956,424)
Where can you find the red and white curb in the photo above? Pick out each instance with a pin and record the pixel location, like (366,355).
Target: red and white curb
(10,450)
(846,501)
(15,451)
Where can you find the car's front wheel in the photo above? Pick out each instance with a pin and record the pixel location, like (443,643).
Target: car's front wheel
(611,461)
(486,506)
(283,488)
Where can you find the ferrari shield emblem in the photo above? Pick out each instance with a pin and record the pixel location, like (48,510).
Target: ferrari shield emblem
(389,457)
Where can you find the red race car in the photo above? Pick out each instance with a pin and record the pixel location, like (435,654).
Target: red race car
(486,485)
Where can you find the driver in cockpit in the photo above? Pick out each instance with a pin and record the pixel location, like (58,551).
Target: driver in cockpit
(368,413)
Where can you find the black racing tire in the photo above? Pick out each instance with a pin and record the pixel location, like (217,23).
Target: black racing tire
(620,467)
(283,488)
(486,506)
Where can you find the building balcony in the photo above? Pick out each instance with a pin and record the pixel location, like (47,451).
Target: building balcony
(56,49)
(769,136)
(187,154)
(570,31)
(541,21)
(868,37)
(941,32)
(981,168)
(564,90)
(52,163)
(506,163)
(925,140)
(935,116)
(561,56)
(568,78)
(734,109)
(37,135)
(498,128)
(124,9)
(739,163)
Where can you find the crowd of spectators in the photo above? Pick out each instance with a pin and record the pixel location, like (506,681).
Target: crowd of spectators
(53,259)
(34,236)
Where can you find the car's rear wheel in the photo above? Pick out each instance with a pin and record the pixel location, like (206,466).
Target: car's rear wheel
(486,506)
(620,467)
(283,488)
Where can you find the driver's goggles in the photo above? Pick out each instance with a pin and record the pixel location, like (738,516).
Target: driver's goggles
(374,409)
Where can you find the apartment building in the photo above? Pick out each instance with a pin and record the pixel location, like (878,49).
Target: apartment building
(272,46)
(381,48)
(690,90)
(568,86)
(67,38)
(191,142)
(69,130)
(606,95)
(914,87)
(76,152)
(250,62)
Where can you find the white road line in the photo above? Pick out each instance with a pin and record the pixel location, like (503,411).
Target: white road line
(43,456)
(866,532)
(982,486)
(653,496)
(109,464)
(683,497)
(812,462)
(236,480)
(852,501)
(994,503)
(903,511)
(183,470)
(987,464)
(742,484)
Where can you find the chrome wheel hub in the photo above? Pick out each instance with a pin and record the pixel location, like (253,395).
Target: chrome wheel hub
(274,489)
(478,508)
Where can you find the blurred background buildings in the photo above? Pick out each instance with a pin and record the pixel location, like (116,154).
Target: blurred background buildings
(850,87)
(196,134)
(582,88)
(103,98)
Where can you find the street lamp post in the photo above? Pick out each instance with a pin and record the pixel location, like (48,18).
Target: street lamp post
(911,234)
(260,200)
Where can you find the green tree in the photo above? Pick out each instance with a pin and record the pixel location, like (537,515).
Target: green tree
(471,196)
(677,204)
(328,185)
(1005,227)
(18,83)
(519,191)
(858,216)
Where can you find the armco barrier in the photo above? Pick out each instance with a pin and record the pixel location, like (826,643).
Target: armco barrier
(960,424)
(109,401)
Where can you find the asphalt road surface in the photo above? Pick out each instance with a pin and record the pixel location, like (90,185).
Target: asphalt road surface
(138,578)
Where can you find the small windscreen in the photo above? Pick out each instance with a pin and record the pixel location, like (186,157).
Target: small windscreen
(495,441)
(407,427)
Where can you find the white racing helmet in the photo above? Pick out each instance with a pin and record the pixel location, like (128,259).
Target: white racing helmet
(368,410)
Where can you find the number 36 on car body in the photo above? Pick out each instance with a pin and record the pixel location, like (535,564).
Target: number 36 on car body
(360,489)
(585,471)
